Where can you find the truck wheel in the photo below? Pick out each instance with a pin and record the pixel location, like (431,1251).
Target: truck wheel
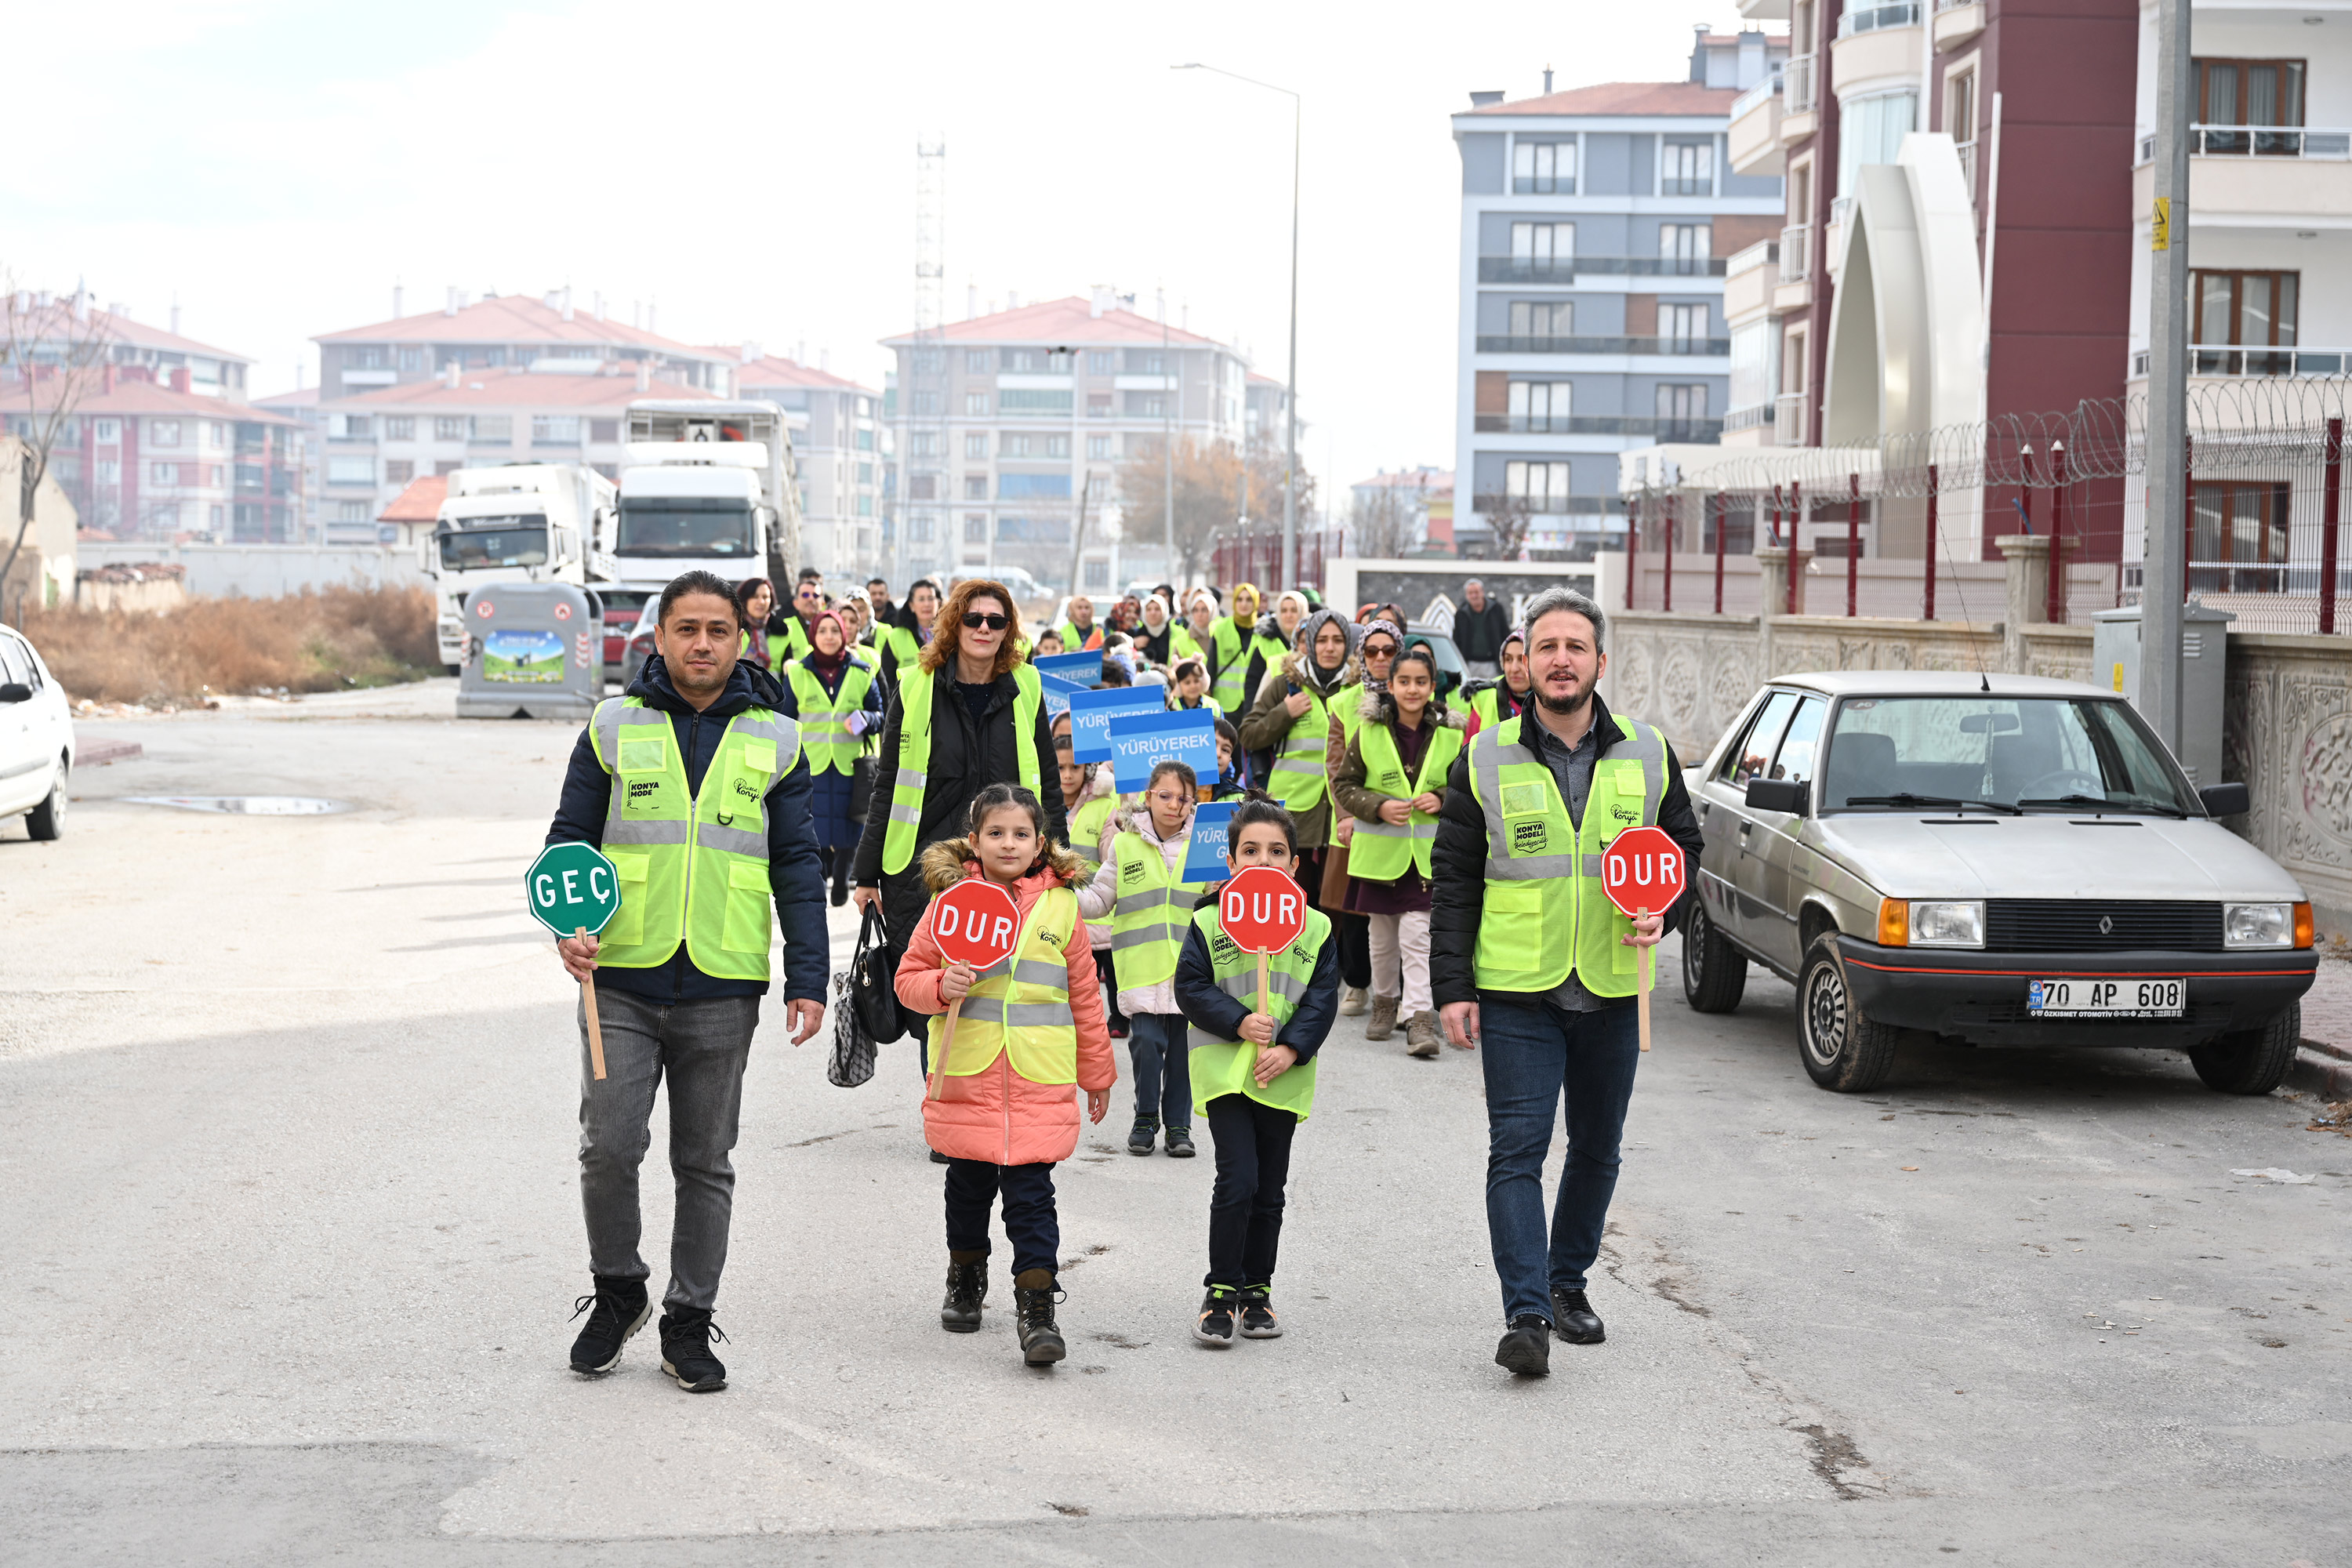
(2251,1061)
(1842,1049)
(47,820)
(1713,972)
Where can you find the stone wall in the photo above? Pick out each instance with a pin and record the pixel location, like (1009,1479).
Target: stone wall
(2288,735)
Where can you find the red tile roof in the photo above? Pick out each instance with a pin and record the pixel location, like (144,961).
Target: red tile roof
(520,389)
(1679,98)
(775,370)
(1051,322)
(514,319)
(130,398)
(420,503)
(139,335)
(301,397)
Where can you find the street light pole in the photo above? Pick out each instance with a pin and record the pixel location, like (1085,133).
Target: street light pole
(2163,567)
(1290,378)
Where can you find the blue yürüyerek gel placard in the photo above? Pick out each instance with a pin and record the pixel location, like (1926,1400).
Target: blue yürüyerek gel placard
(1141,741)
(1204,857)
(1083,669)
(1091,711)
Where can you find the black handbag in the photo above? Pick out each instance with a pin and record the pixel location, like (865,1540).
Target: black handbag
(852,1061)
(861,787)
(872,995)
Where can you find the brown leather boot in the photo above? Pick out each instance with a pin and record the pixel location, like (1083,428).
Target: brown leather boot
(1384,1014)
(1420,1034)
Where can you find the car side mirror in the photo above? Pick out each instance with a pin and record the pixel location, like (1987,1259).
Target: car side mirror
(18,691)
(1790,795)
(2218,800)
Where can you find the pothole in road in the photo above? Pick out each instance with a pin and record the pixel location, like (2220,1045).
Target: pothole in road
(246,804)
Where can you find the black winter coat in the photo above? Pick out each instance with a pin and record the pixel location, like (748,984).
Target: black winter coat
(1458,863)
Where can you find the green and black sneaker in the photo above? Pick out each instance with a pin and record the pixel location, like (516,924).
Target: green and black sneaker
(1219,1307)
(1146,1134)
(1258,1322)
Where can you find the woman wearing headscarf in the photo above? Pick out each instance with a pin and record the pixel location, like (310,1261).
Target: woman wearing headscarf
(1272,640)
(902,642)
(1127,615)
(1227,645)
(1491,701)
(755,600)
(1351,928)
(1291,718)
(833,693)
(1155,639)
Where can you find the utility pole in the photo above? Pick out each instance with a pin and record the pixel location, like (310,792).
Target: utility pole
(1168,445)
(2163,568)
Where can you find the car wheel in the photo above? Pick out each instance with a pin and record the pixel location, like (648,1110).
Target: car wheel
(1842,1049)
(47,820)
(2251,1061)
(1715,973)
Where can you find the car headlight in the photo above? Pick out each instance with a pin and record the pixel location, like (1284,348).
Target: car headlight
(2257,925)
(1950,923)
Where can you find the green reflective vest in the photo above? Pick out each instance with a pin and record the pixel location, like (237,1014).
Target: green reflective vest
(1545,914)
(790,644)
(1348,706)
(1075,641)
(1021,1007)
(1147,923)
(907,653)
(1086,825)
(1380,851)
(1231,664)
(824,720)
(1225,1067)
(692,867)
(1298,780)
(915,692)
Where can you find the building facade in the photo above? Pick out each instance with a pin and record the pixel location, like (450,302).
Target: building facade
(1596,225)
(1015,441)
(841,443)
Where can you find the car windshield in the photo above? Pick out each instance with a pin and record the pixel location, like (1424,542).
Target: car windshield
(675,526)
(2053,754)
(479,542)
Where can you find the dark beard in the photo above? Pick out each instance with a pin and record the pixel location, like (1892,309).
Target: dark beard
(1563,709)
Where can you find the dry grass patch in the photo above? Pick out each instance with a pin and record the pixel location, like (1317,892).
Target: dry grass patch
(321,640)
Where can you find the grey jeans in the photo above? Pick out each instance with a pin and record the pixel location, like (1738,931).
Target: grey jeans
(703,1047)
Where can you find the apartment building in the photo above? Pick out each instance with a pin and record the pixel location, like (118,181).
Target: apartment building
(1958,235)
(485,380)
(843,453)
(1019,432)
(1596,223)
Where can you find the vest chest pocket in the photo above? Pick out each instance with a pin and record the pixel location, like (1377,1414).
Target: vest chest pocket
(627,926)
(746,924)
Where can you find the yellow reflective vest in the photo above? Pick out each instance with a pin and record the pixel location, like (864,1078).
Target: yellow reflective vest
(1298,779)
(1147,923)
(1380,851)
(1021,1007)
(824,720)
(1227,1066)
(915,694)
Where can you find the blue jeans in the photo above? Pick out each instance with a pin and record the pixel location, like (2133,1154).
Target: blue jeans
(1533,1053)
(1031,1223)
(1163,1067)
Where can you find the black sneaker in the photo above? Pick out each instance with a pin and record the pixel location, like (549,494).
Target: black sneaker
(1146,1133)
(685,1336)
(1180,1143)
(938,1158)
(1258,1322)
(967,1289)
(1034,1295)
(616,1310)
(1214,1326)
(1573,1319)
(1525,1350)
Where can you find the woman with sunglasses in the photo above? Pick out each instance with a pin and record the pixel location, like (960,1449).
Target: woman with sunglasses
(909,633)
(792,640)
(1351,933)
(970,713)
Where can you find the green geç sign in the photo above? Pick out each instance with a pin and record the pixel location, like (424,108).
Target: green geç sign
(572,888)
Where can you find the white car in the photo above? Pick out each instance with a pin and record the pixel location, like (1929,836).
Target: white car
(37,739)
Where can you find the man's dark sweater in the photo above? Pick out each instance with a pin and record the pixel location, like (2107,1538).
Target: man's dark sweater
(793,875)
(1479,634)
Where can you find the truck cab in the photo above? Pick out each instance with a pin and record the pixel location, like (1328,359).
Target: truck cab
(705,485)
(517,522)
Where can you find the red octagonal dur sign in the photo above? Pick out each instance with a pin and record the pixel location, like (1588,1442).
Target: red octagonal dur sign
(977,922)
(1642,871)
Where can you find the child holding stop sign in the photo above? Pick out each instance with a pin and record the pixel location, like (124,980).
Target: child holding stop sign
(1002,1101)
(1253,1048)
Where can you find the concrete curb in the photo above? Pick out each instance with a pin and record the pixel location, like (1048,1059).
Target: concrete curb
(2323,1069)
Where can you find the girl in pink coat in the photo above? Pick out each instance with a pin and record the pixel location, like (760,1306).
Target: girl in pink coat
(1030,1035)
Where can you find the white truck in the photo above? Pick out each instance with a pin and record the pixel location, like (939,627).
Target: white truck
(517,522)
(708,484)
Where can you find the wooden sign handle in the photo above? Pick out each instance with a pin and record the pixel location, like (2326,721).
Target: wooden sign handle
(1264,1005)
(595,1029)
(1649,955)
(947,1039)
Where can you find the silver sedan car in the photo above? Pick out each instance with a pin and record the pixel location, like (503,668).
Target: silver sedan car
(2003,860)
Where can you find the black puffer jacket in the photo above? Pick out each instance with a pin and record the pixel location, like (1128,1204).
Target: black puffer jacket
(1458,865)
(966,758)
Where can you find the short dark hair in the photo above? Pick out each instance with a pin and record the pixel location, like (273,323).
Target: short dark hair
(1114,674)
(810,574)
(996,798)
(1418,653)
(1231,736)
(1258,806)
(883,581)
(697,582)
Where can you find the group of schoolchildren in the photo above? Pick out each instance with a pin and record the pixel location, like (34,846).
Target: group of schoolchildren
(1112,908)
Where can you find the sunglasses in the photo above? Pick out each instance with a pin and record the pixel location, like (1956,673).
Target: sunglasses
(1379,650)
(975,620)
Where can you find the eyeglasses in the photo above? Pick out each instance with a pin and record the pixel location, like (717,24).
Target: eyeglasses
(974,620)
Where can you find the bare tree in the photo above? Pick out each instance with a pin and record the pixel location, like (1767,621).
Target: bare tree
(1209,490)
(1385,522)
(54,352)
(1509,517)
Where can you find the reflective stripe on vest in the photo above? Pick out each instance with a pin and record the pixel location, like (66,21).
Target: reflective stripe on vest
(1086,825)
(1022,1008)
(1233,663)
(1380,851)
(692,867)
(1545,914)
(1147,925)
(1297,780)
(915,695)
(788,644)
(824,720)
(1227,1066)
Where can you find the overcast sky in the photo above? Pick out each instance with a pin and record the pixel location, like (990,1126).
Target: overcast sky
(278,167)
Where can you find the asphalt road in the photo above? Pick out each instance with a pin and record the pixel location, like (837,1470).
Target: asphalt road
(287,1134)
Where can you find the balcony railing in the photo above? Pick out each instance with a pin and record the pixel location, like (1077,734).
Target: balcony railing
(1703,347)
(1762,92)
(1789,419)
(1564,268)
(1796,253)
(1801,88)
(1763,253)
(1953,4)
(1967,152)
(1878,19)
(1841,210)
(1599,425)
(2260,142)
(1749,418)
(2215,360)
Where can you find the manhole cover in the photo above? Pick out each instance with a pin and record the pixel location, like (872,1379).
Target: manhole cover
(246,804)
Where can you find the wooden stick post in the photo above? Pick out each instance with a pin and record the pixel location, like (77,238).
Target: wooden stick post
(1264,1005)
(947,1039)
(595,1029)
(1649,965)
